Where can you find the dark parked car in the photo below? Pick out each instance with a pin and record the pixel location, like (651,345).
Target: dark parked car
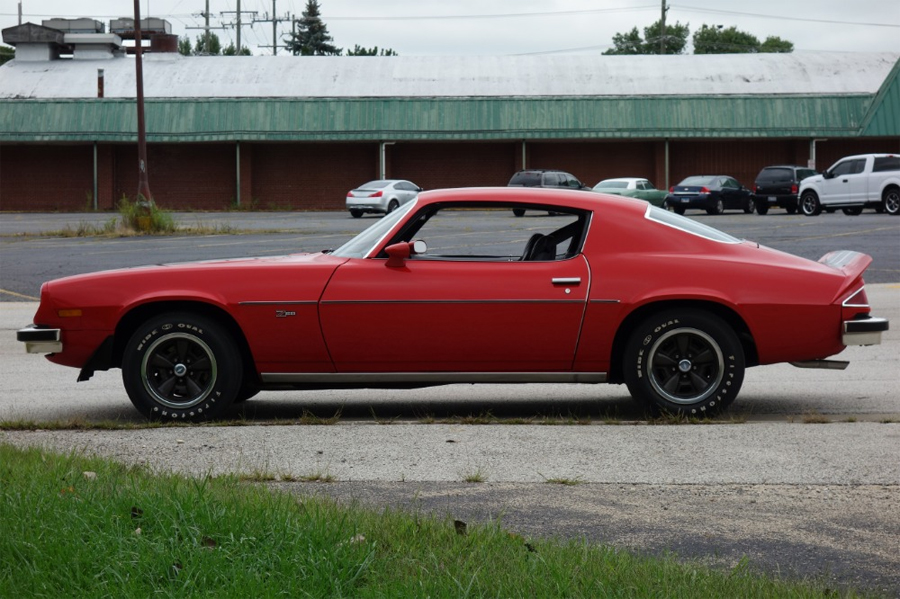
(778,186)
(546,178)
(713,193)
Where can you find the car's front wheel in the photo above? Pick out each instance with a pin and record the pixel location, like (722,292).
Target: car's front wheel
(809,204)
(891,201)
(181,366)
(749,206)
(684,361)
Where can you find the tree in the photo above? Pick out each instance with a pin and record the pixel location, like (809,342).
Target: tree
(6,54)
(184,46)
(716,40)
(208,44)
(631,42)
(774,43)
(311,37)
(375,51)
(230,50)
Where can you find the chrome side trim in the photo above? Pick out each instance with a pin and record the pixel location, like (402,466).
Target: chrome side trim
(446,378)
(479,301)
(605,301)
(277,303)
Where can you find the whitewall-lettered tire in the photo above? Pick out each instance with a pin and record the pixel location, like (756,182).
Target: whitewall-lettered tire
(684,361)
(181,366)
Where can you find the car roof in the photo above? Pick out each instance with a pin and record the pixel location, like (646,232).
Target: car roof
(627,179)
(572,198)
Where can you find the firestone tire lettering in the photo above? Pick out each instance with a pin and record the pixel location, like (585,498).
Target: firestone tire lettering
(685,361)
(181,366)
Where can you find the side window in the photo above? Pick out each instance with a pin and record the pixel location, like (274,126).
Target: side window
(859,166)
(886,163)
(842,168)
(492,233)
(730,183)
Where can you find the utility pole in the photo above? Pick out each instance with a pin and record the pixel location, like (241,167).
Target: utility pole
(238,24)
(205,28)
(144,198)
(662,28)
(275,20)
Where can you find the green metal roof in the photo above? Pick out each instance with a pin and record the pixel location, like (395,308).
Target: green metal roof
(453,118)
(883,118)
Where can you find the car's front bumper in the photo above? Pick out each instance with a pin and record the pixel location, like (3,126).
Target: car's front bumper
(864,331)
(39,340)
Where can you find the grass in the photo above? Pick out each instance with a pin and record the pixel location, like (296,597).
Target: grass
(79,527)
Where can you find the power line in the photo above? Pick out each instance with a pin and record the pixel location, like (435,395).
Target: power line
(488,16)
(779,17)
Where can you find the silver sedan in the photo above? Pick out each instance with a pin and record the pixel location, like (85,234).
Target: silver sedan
(381,196)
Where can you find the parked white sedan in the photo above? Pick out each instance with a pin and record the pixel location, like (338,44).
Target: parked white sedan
(381,196)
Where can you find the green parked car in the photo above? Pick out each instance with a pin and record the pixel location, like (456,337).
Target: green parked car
(632,187)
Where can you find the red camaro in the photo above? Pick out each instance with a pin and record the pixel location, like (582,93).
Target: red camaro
(452,288)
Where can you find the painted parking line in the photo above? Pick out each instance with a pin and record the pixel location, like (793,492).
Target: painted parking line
(19,295)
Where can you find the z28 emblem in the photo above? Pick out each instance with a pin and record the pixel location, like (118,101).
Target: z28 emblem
(284,313)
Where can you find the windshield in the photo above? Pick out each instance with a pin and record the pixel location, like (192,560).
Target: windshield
(697,181)
(373,185)
(611,185)
(361,245)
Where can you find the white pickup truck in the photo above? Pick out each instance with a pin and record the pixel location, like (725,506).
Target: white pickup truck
(854,183)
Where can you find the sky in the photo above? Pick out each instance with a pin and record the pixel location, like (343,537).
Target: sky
(501,27)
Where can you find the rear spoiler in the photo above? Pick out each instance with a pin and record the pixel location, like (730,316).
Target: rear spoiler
(851,263)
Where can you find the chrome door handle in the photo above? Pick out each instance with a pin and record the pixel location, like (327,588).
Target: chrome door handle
(566,280)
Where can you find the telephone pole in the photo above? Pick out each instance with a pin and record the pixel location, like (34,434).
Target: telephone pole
(238,24)
(275,20)
(205,29)
(662,28)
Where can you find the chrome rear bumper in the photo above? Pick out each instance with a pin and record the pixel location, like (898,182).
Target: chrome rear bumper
(865,331)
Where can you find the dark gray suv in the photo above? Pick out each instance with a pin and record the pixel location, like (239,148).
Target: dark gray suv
(778,186)
(550,178)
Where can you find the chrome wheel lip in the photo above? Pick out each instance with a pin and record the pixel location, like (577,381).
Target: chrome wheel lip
(711,385)
(168,401)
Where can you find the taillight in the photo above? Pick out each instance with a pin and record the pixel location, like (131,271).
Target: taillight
(794,188)
(704,190)
(755,188)
(672,189)
(377,194)
(349,194)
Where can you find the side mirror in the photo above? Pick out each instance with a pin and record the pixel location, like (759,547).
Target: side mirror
(398,253)
(828,175)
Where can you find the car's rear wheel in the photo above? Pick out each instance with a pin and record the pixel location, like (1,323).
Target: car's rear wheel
(717,208)
(791,209)
(392,205)
(678,210)
(810,205)
(891,201)
(181,366)
(684,361)
(356,213)
(518,212)
(762,208)
(852,211)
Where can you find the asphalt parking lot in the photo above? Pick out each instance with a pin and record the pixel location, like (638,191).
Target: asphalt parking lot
(804,481)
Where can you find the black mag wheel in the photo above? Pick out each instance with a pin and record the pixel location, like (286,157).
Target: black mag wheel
(181,366)
(891,201)
(684,361)
(809,204)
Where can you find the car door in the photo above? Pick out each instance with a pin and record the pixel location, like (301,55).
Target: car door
(458,311)
(845,184)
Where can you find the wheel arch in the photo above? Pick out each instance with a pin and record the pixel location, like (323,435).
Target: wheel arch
(132,319)
(727,314)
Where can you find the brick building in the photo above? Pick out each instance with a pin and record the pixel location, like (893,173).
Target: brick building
(299,132)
